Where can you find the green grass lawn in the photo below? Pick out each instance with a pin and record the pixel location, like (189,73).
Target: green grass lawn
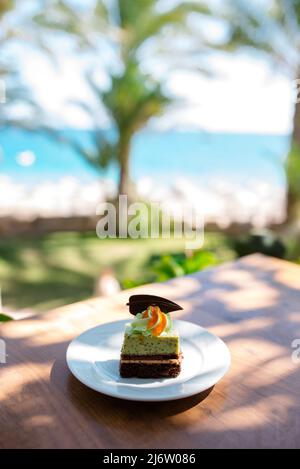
(61,268)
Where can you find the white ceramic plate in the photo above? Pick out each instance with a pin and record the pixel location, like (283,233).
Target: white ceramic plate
(93,357)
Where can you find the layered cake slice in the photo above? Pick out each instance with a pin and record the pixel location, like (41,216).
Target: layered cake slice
(151,347)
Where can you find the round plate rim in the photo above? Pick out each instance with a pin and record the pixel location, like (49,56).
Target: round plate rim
(118,395)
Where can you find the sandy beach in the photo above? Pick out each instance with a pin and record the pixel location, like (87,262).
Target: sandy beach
(258,203)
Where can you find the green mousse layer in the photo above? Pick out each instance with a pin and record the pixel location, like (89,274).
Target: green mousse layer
(138,344)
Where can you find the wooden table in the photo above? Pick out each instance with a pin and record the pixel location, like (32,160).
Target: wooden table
(253,304)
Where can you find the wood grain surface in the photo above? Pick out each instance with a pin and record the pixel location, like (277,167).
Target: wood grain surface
(253,304)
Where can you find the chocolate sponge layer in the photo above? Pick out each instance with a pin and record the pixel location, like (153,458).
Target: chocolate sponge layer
(150,370)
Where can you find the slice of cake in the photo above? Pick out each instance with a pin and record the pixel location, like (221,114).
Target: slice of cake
(151,347)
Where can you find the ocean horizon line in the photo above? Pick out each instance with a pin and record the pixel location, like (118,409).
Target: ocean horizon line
(151,130)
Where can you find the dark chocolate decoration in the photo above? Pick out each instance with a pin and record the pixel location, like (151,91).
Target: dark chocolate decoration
(139,303)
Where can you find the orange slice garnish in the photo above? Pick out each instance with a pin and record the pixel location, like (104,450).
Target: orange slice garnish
(161,325)
(156,317)
(157,322)
(145,314)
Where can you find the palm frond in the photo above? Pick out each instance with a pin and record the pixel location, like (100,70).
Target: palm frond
(151,25)
(274,30)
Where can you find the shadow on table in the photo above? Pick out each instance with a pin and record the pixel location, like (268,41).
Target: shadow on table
(79,393)
(109,416)
(85,398)
(255,308)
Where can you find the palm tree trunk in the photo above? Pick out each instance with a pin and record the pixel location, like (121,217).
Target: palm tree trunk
(296,125)
(124,187)
(292,198)
(124,162)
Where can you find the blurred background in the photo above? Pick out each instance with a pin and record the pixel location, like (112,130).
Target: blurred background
(185,101)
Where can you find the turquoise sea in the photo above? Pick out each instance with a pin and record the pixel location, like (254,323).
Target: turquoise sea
(197,155)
